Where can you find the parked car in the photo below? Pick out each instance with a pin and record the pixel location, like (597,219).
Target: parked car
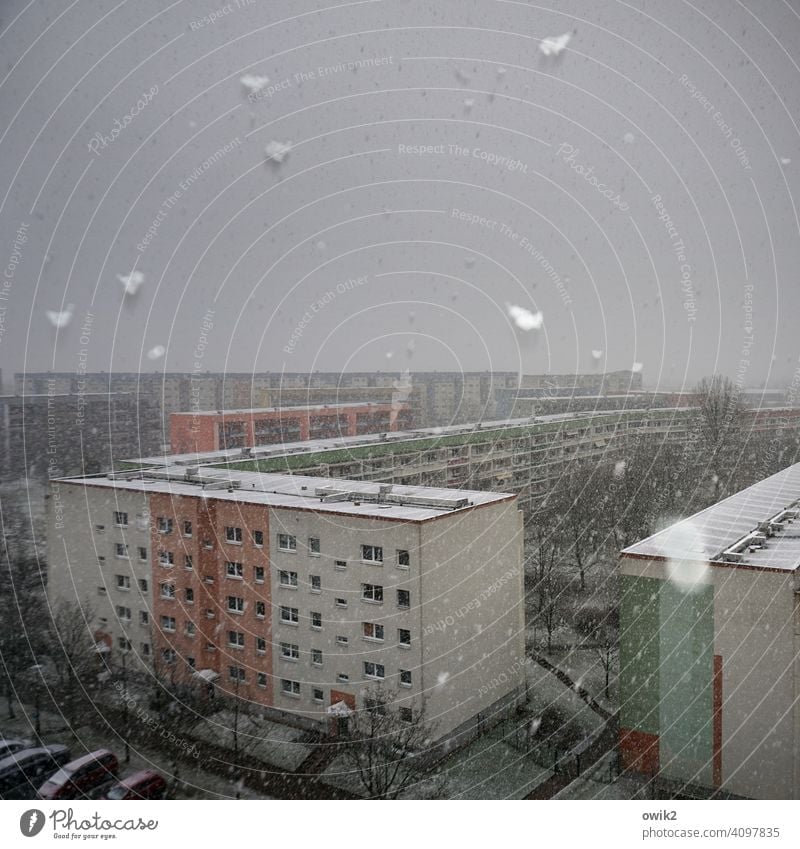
(22,772)
(9,745)
(145,784)
(79,777)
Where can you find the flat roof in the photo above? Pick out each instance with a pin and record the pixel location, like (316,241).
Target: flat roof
(303,492)
(293,408)
(710,534)
(312,446)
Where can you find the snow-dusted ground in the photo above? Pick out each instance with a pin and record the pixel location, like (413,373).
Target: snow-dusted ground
(586,669)
(188,782)
(600,782)
(279,745)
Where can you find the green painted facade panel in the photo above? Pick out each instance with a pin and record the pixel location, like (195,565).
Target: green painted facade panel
(686,638)
(639,654)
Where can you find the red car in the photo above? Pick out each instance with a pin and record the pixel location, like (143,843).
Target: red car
(145,784)
(79,777)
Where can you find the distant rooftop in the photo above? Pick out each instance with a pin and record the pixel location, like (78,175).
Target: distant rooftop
(295,408)
(321,495)
(310,446)
(758,527)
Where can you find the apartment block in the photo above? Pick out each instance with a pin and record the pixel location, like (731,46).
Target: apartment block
(300,593)
(203,431)
(710,647)
(52,434)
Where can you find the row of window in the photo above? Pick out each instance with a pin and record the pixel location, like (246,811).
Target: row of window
(369,592)
(369,553)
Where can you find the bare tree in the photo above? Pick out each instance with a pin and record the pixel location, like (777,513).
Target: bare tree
(384,744)
(72,647)
(600,628)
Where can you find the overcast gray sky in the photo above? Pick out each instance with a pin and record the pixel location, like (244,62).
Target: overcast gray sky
(129,142)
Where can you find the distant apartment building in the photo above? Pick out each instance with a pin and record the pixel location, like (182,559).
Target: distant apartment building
(52,434)
(301,594)
(710,646)
(202,431)
(523,456)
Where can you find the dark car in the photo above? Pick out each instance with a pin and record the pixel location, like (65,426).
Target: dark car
(145,784)
(22,772)
(9,745)
(79,777)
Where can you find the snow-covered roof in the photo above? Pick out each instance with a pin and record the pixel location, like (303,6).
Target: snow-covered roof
(320,495)
(758,527)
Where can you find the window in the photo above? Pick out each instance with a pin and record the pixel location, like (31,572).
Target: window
(261,679)
(405,677)
(258,538)
(258,574)
(287,579)
(290,688)
(120,549)
(190,629)
(123,582)
(166,558)
(234,570)
(236,674)
(191,661)
(143,585)
(316,657)
(404,637)
(316,583)
(403,599)
(406,714)
(142,553)
(289,615)
(342,677)
(341,602)
(188,562)
(286,542)
(373,670)
(167,590)
(124,613)
(99,527)
(235,604)
(236,639)
(168,623)
(314,546)
(168,656)
(145,649)
(340,565)
(372,592)
(164,525)
(319,696)
(121,519)
(289,651)
(372,553)
(102,591)
(372,631)
(316,620)
(261,610)
(187,529)
(144,617)
(211,647)
(188,595)
(376,706)
(210,613)
(403,558)
(233,535)
(342,641)
(207,544)
(261,645)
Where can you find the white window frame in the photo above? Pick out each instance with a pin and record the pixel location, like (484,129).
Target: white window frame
(290,651)
(238,639)
(167,591)
(368,593)
(312,551)
(120,518)
(237,608)
(168,624)
(292,691)
(372,554)
(294,615)
(291,579)
(374,675)
(287,542)
(312,616)
(233,535)
(237,574)
(374,626)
